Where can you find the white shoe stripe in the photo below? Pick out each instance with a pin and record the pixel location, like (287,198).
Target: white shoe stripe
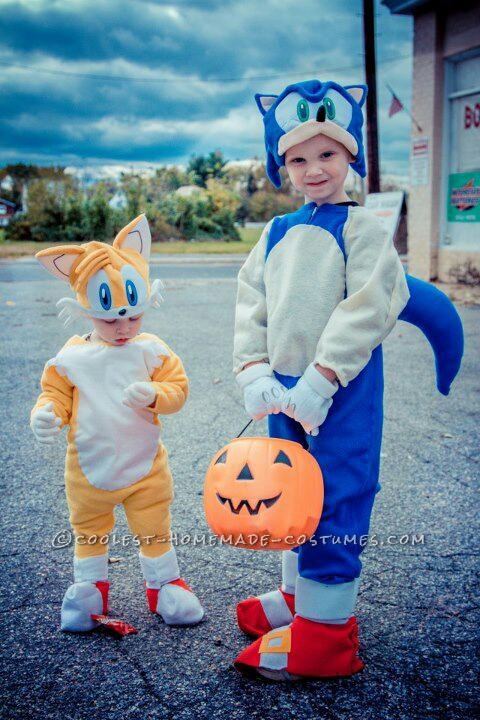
(276,609)
(273,661)
(289,571)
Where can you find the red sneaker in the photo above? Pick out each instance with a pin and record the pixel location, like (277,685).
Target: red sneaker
(304,649)
(258,615)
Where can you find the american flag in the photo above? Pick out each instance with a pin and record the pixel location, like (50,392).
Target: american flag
(395,105)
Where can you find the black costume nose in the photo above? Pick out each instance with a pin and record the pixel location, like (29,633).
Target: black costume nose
(321,113)
(122,311)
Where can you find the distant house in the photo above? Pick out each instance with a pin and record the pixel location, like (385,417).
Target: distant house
(7,211)
(189,190)
(118,201)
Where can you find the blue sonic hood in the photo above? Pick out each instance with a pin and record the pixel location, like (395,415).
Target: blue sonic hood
(311,108)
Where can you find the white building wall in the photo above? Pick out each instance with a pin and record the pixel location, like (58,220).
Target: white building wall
(436,38)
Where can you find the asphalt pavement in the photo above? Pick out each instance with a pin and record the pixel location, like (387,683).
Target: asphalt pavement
(418,603)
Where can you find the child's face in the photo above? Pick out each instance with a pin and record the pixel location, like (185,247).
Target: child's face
(118,331)
(318,167)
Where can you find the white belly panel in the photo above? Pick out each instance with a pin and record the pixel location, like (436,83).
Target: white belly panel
(116,445)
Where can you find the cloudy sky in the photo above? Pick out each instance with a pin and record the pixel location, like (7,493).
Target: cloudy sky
(125,81)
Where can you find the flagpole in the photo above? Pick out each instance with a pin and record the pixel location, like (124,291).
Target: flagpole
(406,109)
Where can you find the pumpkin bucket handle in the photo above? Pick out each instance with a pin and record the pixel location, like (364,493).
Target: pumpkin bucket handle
(246,426)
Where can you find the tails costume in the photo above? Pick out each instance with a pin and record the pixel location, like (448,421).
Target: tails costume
(114,453)
(324,284)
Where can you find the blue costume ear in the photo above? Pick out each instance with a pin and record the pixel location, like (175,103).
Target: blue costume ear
(358,92)
(264,102)
(272,171)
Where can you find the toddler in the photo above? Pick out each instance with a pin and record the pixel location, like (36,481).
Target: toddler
(110,386)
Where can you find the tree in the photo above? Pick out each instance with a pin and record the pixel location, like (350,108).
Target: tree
(203,167)
(74,218)
(134,188)
(99,220)
(22,175)
(168,179)
(264,205)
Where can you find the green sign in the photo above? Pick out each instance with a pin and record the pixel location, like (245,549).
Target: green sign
(464,197)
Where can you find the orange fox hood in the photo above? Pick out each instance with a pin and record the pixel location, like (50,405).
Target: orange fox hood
(109,280)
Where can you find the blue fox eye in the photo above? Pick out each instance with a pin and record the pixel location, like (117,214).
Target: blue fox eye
(329,107)
(105,296)
(131,291)
(303,111)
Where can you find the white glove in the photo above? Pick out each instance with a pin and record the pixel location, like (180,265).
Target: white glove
(309,401)
(262,392)
(139,395)
(45,424)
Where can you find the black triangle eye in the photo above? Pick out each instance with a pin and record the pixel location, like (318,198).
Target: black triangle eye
(282,458)
(245,473)
(222,459)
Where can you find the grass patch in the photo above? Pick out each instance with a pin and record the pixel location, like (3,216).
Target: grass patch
(214,247)
(208,247)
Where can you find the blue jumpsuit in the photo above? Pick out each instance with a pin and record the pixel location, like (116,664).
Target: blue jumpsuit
(347,449)
(300,283)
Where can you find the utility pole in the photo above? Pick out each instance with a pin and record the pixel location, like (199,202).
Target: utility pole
(373,162)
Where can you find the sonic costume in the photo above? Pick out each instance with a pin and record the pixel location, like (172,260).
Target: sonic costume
(325,285)
(111,396)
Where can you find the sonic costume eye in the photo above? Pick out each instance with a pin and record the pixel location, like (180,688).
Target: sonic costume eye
(131,291)
(105,296)
(303,111)
(337,108)
(329,107)
(294,110)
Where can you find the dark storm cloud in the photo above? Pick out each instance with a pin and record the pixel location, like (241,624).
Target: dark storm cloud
(225,40)
(199,48)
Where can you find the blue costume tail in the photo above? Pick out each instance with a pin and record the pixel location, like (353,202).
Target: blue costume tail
(431,311)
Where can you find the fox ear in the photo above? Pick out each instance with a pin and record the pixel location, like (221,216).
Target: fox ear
(135,236)
(358,92)
(265,102)
(59,260)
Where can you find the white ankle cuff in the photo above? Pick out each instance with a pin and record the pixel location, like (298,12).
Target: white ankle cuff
(160,570)
(90,569)
(289,571)
(325,603)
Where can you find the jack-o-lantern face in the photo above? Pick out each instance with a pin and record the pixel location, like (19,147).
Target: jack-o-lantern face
(263,494)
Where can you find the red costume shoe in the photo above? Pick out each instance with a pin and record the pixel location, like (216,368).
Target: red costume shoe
(256,616)
(176,603)
(82,601)
(304,649)
(167,594)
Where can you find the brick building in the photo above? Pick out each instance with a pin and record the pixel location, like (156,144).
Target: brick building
(444,204)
